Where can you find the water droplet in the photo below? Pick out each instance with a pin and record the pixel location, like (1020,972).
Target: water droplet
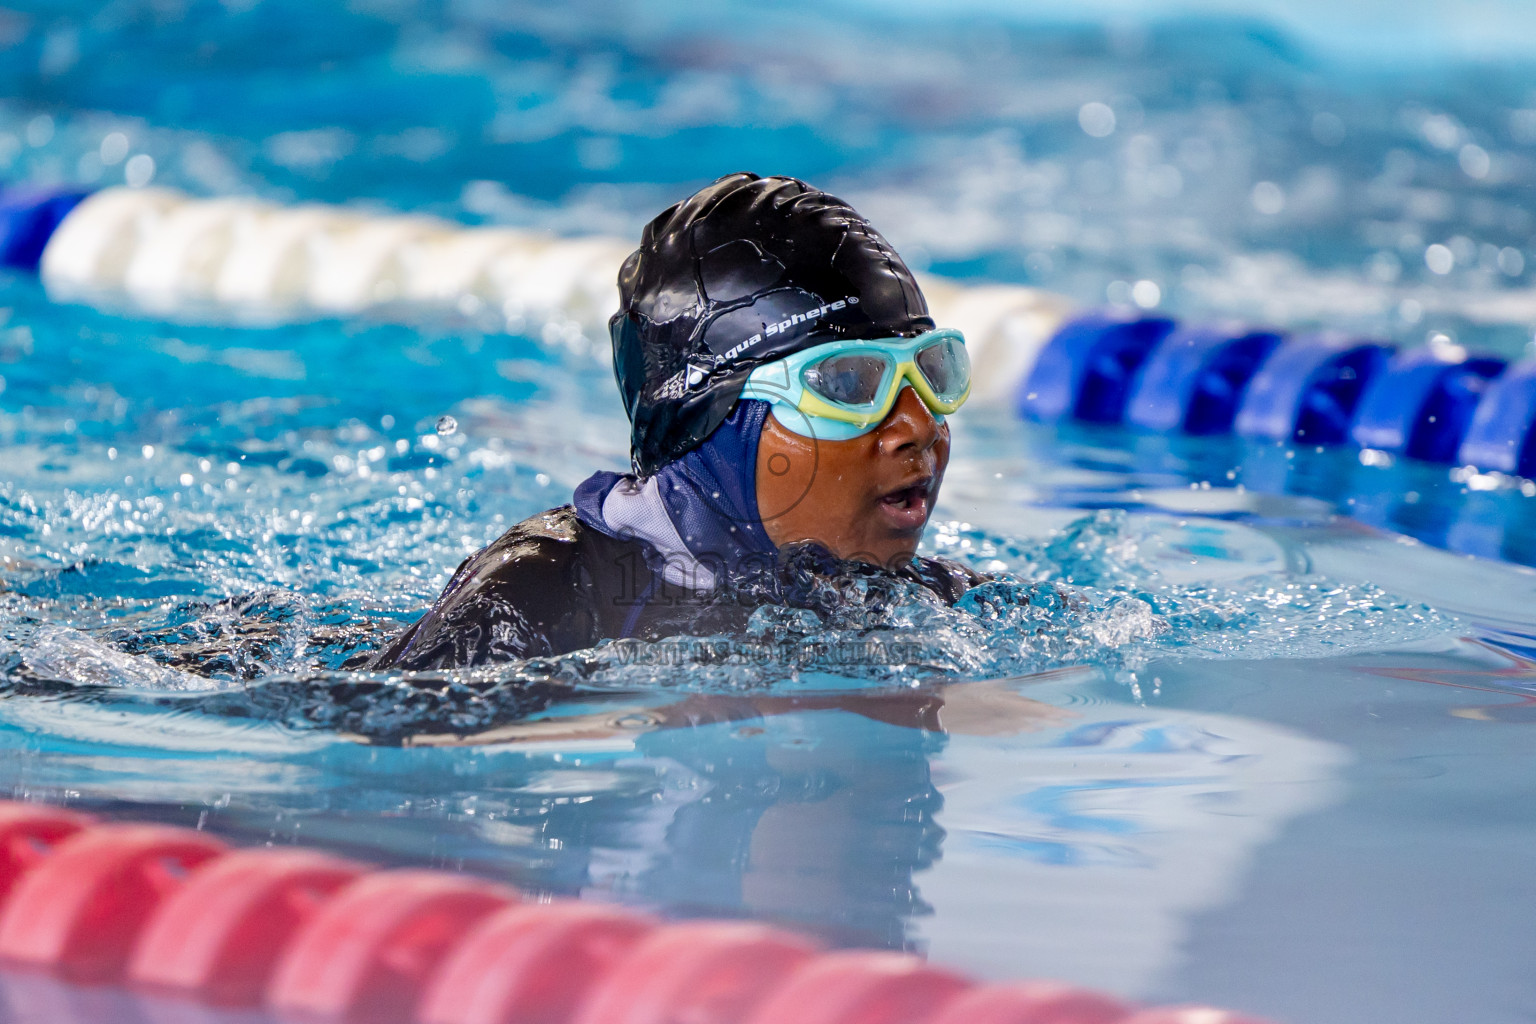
(1146,294)
(114,148)
(39,131)
(1096,119)
(139,170)
(1475,161)
(446,425)
(1268,198)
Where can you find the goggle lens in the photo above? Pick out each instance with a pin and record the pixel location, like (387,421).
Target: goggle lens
(947,367)
(851,379)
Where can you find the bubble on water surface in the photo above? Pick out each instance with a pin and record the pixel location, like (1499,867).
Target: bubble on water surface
(446,425)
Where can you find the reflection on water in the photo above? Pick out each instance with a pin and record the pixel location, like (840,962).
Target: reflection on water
(1086,855)
(828,811)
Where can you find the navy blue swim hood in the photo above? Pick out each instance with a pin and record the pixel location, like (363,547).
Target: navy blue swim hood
(745,271)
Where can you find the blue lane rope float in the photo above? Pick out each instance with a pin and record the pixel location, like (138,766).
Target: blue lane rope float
(1086,371)
(1434,404)
(28,219)
(1308,388)
(1502,435)
(1194,381)
(1421,404)
(166,251)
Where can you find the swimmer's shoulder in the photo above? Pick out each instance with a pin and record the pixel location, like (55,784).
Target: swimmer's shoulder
(556,541)
(533,591)
(549,540)
(546,557)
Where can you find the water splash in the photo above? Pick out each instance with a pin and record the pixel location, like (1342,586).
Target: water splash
(1091,595)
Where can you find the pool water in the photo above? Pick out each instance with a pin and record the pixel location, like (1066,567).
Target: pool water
(1242,725)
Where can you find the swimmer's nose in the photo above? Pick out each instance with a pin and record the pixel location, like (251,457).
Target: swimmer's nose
(909,426)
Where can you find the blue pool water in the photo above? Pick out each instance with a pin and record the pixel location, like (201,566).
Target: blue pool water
(1209,739)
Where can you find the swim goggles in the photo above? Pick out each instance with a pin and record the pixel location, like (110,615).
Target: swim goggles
(843,389)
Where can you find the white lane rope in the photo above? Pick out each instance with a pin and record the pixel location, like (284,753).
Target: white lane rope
(247,260)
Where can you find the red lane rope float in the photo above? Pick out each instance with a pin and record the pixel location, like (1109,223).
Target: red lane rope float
(28,833)
(530,964)
(79,910)
(217,940)
(368,953)
(315,938)
(698,973)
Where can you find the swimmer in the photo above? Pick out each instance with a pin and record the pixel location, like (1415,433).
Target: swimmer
(787,393)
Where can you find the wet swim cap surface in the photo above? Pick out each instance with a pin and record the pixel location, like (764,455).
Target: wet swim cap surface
(745,271)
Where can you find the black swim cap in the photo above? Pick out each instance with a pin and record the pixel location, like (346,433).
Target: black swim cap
(746,271)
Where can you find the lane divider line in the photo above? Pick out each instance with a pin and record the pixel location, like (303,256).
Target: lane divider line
(308,936)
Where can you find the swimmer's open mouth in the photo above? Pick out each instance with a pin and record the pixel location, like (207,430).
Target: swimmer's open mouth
(907,507)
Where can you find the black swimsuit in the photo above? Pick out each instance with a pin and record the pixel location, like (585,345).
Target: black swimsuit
(552,584)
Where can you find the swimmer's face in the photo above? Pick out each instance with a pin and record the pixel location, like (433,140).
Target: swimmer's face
(867,498)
